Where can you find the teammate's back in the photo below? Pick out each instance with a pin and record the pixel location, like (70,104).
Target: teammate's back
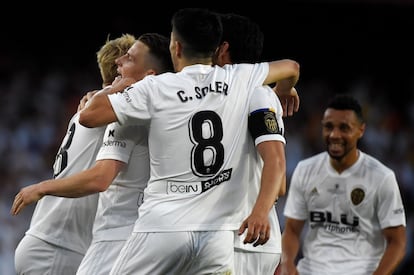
(208,107)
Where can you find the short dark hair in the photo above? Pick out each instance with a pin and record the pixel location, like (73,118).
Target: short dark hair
(346,102)
(199,30)
(244,36)
(159,50)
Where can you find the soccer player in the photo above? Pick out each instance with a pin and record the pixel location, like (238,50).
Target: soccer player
(121,171)
(124,154)
(198,135)
(61,229)
(242,42)
(351,201)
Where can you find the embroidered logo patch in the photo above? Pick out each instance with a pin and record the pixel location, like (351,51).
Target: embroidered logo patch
(271,123)
(357,196)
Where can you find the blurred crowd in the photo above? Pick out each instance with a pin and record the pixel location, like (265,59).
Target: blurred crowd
(36,106)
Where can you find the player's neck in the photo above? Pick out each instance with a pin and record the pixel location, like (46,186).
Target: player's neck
(188,62)
(345,162)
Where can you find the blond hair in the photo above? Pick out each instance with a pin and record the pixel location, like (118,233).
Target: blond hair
(109,52)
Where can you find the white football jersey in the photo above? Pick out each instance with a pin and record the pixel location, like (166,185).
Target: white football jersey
(265,100)
(117,207)
(197,143)
(67,222)
(345,212)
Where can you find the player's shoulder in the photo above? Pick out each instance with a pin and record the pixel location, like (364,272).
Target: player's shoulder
(241,66)
(266,89)
(312,165)
(374,165)
(160,77)
(264,94)
(313,160)
(151,82)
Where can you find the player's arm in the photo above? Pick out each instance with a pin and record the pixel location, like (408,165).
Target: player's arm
(395,250)
(98,112)
(119,83)
(93,180)
(273,177)
(285,73)
(290,245)
(273,180)
(85,99)
(266,128)
(282,189)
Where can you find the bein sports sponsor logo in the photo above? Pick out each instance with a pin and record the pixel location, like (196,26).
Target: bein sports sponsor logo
(183,188)
(197,187)
(220,178)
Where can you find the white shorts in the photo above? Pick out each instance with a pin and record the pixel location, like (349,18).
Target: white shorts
(100,257)
(36,257)
(250,262)
(195,252)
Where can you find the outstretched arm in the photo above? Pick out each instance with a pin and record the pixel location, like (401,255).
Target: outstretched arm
(95,179)
(285,73)
(98,112)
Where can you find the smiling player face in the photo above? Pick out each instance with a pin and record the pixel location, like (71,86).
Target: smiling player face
(341,131)
(136,63)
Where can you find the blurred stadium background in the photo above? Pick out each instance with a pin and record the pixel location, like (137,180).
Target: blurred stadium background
(48,61)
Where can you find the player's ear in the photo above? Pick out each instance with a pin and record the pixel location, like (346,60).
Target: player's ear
(224,47)
(361,130)
(178,48)
(223,54)
(150,72)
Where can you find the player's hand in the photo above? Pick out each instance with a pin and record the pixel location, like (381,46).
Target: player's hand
(278,270)
(121,83)
(26,196)
(258,229)
(116,80)
(290,102)
(85,99)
